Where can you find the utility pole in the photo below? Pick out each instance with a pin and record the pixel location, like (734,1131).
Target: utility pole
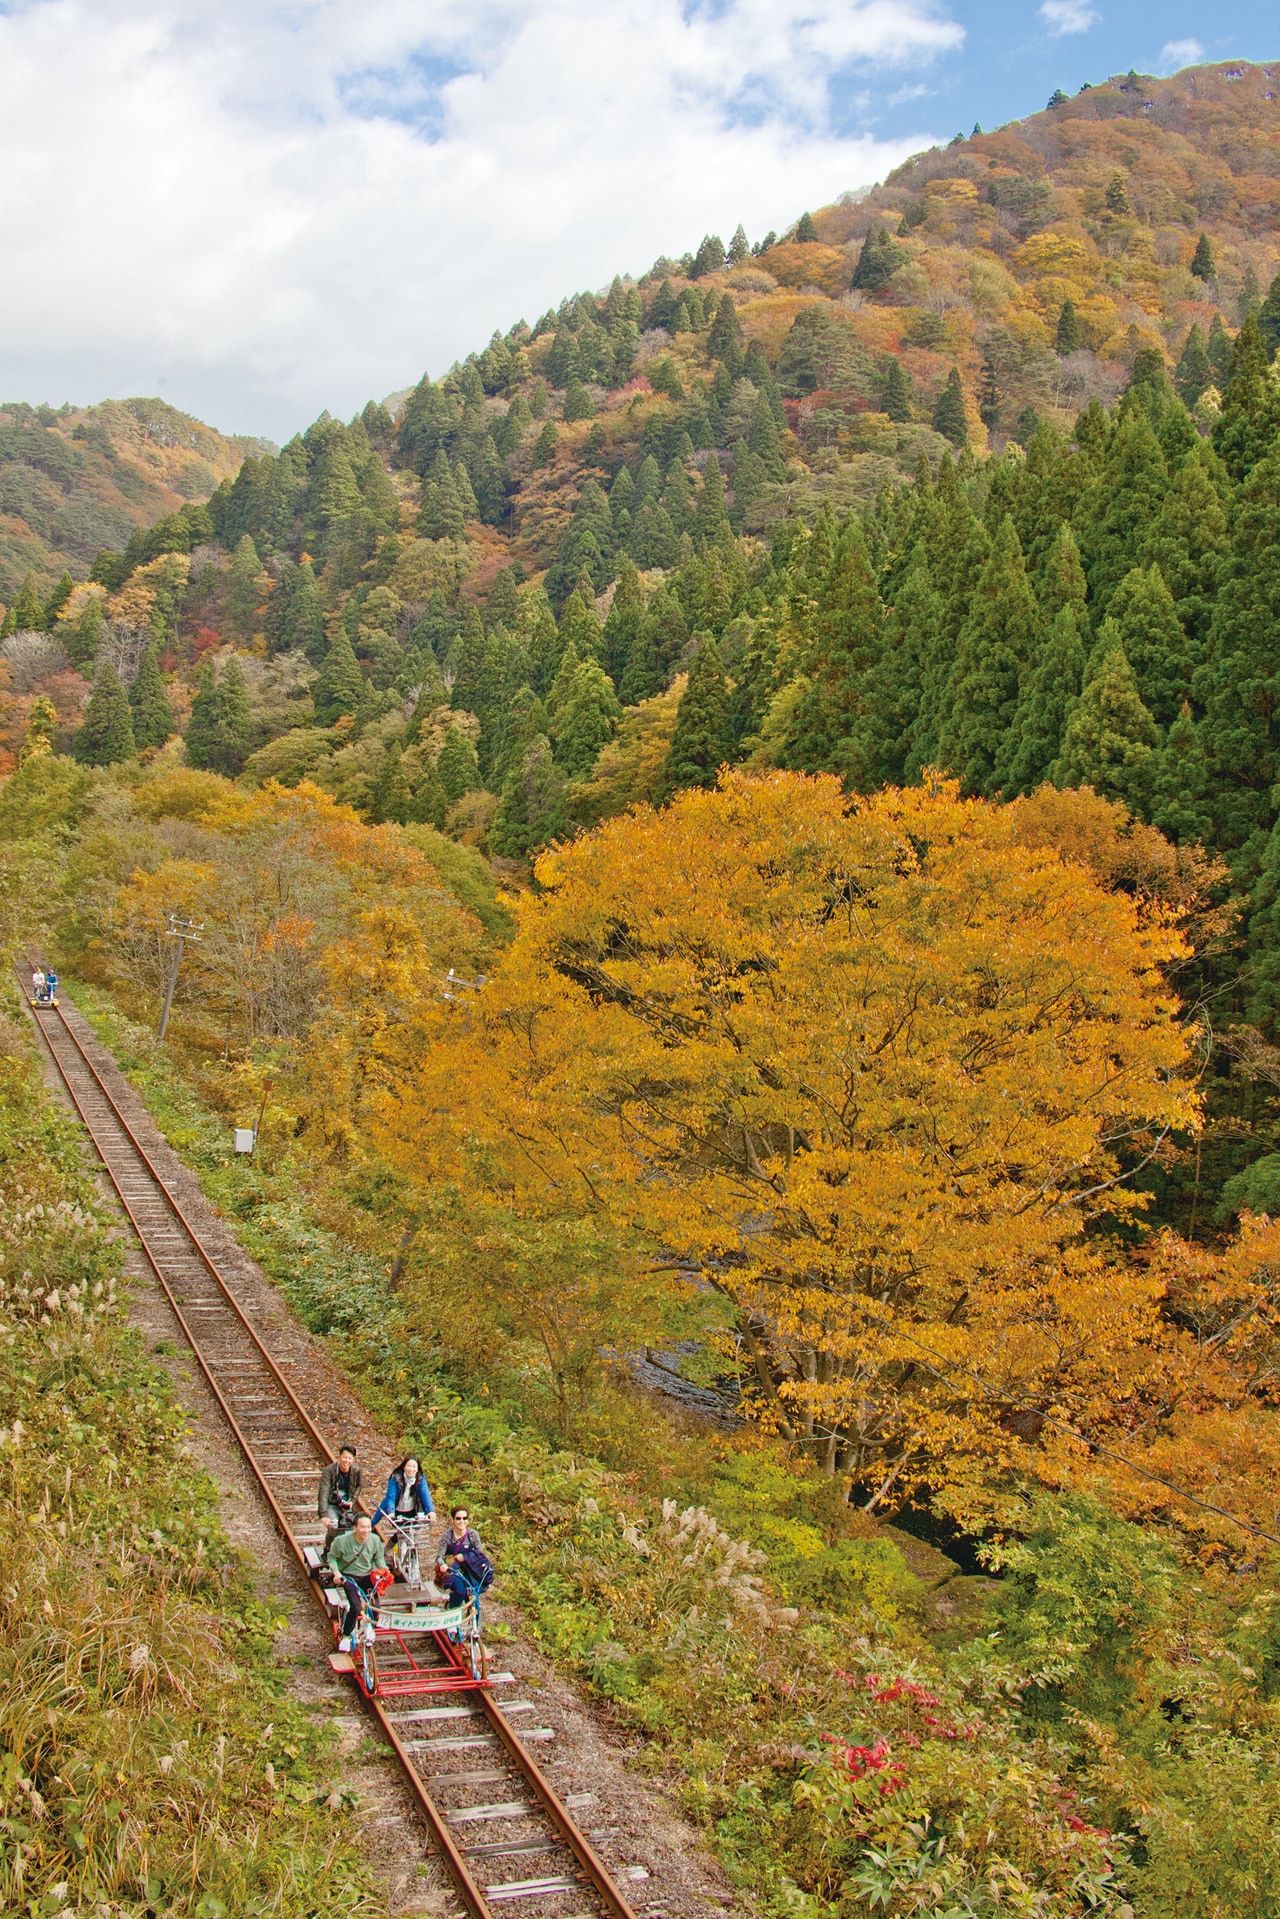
(454,985)
(179,930)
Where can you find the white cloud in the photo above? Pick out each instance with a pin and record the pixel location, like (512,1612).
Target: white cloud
(260,210)
(1180,53)
(1068,16)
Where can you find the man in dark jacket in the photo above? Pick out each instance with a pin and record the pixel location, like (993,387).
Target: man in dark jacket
(338,1492)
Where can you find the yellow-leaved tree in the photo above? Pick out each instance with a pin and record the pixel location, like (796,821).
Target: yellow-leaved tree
(867,1070)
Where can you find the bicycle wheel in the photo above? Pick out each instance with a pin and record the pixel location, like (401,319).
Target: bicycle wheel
(479,1654)
(368,1661)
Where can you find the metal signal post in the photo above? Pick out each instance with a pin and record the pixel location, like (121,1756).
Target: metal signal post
(180,930)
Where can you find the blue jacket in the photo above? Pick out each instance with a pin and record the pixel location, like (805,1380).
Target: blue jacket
(390,1499)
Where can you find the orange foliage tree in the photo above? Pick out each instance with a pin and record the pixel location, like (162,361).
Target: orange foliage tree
(868,1072)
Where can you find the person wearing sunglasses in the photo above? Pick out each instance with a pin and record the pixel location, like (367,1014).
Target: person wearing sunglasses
(462,1564)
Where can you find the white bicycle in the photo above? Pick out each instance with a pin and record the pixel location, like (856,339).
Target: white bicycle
(402,1551)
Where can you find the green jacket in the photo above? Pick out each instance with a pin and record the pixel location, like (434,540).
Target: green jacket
(354,1561)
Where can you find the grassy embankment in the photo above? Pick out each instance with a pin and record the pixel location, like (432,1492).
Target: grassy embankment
(151,1761)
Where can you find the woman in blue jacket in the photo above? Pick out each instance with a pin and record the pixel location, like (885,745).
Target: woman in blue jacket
(406,1502)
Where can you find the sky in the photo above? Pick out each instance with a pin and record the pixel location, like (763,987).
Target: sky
(259,209)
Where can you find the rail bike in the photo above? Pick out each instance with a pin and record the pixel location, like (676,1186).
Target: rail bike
(406,1640)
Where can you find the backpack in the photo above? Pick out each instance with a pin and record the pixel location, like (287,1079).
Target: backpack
(478,1566)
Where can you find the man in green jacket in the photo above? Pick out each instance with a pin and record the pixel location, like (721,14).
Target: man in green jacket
(355,1557)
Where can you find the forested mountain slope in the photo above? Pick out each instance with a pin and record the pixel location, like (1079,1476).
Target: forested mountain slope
(75,480)
(974,473)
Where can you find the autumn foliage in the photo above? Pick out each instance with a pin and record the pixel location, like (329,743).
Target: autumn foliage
(873,1074)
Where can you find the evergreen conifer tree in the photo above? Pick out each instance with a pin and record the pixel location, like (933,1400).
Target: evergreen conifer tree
(1247,426)
(26,615)
(643,674)
(1269,318)
(1202,262)
(105,737)
(86,635)
(1190,541)
(883,734)
(219,731)
(457,768)
(667,625)
(1154,642)
(245,589)
(624,622)
(724,342)
(502,608)
(895,392)
(709,257)
(428,805)
(1048,698)
(578,404)
(995,646)
(441,515)
(1069,338)
(531,812)
(1117,197)
(710,519)
(558,690)
(580,623)
(948,413)
(764,440)
(749,480)
(304,625)
(652,540)
(203,720)
(466,693)
(585,717)
(1125,506)
(677,497)
(622,500)
(700,741)
(1051,685)
(62,592)
(1111,741)
(1194,372)
(1219,352)
(1238,684)
(587,542)
(391,799)
(333,495)
(878,261)
(846,637)
(739,247)
(339,686)
(806,233)
(1179,805)
(151,713)
(467,500)
(544,448)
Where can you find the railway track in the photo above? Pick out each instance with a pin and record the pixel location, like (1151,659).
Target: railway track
(487,1804)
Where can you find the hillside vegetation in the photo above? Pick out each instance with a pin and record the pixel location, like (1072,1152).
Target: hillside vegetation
(76,480)
(152,1761)
(857,654)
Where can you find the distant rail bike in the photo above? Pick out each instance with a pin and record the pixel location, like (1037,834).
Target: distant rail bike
(420,1667)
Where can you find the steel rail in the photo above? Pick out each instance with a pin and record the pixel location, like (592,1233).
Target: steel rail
(557,1813)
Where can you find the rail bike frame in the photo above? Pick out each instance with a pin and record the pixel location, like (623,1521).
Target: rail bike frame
(401,1625)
